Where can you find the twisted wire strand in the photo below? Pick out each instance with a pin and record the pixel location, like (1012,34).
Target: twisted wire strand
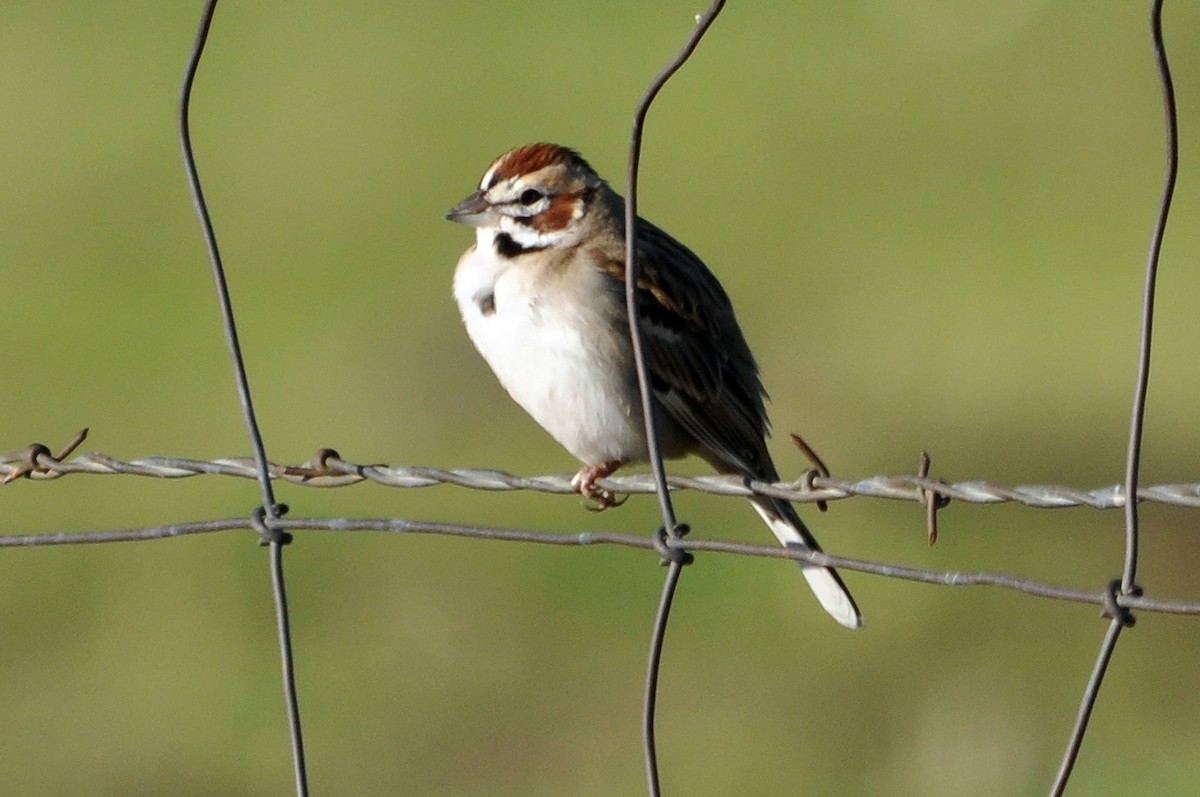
(326,469)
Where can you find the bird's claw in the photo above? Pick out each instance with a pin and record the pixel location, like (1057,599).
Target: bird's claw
(585,482)
(601,499)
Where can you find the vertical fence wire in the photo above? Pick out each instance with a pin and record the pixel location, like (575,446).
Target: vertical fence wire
(1120,617)
(675,558)
(1142,381)
(270,511)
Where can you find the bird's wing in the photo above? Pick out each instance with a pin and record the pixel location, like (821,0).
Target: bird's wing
(699,364)
(706,380)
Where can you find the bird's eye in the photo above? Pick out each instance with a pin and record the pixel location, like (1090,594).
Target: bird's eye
(530,196)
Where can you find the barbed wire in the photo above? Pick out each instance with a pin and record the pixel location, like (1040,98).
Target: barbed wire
(327,469)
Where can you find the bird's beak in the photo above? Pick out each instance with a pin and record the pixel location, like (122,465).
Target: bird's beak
(473,211)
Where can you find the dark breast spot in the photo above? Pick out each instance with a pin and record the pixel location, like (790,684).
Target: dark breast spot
(486,301)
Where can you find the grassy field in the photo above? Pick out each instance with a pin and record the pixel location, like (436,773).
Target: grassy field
(933,222)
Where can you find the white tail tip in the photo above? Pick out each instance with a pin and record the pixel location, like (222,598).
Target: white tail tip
(824,582)
(833,596)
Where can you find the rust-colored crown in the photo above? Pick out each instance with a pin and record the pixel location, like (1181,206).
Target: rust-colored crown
(533,157)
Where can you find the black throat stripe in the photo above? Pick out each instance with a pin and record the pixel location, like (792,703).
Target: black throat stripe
(507,248)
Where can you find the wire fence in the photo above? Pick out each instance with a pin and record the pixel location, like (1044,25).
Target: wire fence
(1119,599)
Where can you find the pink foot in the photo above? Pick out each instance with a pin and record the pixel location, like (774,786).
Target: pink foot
(585,482)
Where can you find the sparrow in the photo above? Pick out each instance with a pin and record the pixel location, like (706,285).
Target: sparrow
(542,295)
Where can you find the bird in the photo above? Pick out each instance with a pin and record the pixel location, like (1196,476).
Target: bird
(542,296)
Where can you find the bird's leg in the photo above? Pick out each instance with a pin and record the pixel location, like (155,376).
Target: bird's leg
(585,482)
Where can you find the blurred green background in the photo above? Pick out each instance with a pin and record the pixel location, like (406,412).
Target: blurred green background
(932,218)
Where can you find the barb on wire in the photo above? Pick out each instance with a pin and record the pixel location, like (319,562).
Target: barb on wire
(326,469)
(270,511)
(1126,584)
(37,458)
(818,466)
(670,527)
(1105,599)
(932,498)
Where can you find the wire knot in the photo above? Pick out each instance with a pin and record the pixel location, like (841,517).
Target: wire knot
(268,532)
(668,553)
(1113,610)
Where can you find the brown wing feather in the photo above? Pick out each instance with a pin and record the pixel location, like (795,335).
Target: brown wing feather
(701,368)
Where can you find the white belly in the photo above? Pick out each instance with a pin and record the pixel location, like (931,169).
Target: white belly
(563,360)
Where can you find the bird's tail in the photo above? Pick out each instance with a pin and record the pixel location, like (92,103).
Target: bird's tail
(825,582)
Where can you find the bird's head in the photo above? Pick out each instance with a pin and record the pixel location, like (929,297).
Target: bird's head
(531,198)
